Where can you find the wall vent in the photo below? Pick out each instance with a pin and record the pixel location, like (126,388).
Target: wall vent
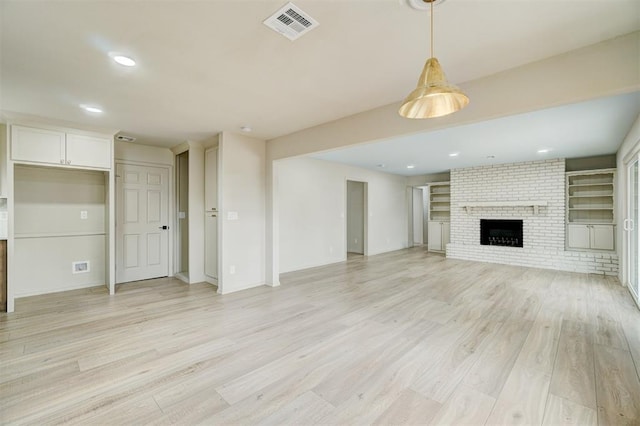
(125,138)
(80,267)
(291,22)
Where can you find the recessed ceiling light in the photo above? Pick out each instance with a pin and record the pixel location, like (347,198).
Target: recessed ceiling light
(454,154)
(124,60)
(543,151)
(411,166)
(93,109)
(246,129)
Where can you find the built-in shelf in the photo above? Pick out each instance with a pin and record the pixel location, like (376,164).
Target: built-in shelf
(439,202)
(439,216)
(590,184)
(534,204)
(590,210)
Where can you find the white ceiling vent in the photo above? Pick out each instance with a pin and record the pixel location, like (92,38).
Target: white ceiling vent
(291,22)
(125,138)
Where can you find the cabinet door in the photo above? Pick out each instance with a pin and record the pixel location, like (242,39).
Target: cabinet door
(88,151)
(211,245)
(435,236)
(579,236)
(37,145)
(446,238)
(602,237)
(211,180)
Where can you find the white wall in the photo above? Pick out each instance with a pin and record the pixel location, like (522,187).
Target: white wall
(127,151)
(311,204)
(54,257)
(243,183)
(629,147)
(48,229)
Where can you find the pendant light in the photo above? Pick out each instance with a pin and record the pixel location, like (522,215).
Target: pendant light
(434,96)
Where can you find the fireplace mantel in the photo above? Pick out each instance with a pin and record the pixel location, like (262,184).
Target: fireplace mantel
(534,204)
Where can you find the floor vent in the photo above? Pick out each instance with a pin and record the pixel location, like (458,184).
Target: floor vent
(291,22)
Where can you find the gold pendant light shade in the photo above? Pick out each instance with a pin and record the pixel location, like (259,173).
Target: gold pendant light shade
(434,96)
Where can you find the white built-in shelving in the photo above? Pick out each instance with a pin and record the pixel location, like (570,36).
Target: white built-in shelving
(438,225)
(590,210)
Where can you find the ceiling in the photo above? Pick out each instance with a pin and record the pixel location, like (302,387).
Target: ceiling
(586,129)
(211,66)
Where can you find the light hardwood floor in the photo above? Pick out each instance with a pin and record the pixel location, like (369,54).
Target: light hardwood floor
(401,338)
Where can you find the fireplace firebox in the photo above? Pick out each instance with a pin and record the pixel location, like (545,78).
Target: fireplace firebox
(496,232)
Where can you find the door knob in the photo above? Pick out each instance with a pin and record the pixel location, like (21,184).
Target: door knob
(163,227)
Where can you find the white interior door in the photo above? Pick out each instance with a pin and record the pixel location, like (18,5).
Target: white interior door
(142,222)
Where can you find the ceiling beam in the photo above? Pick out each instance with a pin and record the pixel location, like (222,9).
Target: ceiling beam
(604,69)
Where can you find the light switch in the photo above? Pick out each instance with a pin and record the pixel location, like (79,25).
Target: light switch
(182,215)
(232,215)
(84,214)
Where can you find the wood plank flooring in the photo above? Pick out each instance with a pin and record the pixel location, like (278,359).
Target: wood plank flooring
(406,337)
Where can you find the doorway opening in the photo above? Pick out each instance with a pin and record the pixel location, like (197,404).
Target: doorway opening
(182,189)
(418,206)
(357,224)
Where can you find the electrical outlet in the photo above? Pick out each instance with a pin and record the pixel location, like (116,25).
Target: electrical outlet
(232,269)
(84,214)
(355,241)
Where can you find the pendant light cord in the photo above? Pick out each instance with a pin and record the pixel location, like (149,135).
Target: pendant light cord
(431,5)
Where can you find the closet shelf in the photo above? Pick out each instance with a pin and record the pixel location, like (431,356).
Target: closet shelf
(574,185)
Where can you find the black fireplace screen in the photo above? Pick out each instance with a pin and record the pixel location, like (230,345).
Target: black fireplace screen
(494,232)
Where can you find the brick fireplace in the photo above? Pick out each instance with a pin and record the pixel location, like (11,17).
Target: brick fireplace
(531,192)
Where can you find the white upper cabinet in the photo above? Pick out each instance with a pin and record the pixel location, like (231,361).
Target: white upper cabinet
(88,151)
(34,145)
(37,145)
(211,180)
